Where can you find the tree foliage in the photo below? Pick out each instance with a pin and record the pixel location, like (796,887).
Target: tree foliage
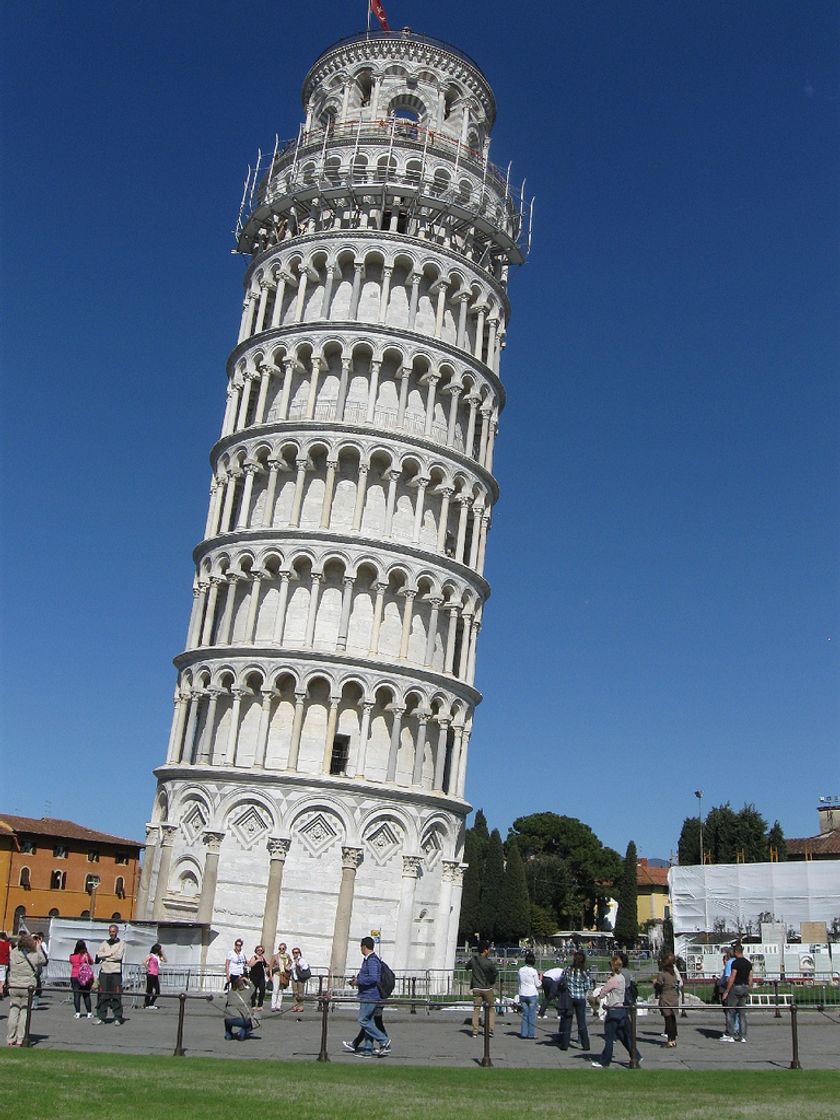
(627,922)
(730,837)
(776,847)
(514,921)
(492,886)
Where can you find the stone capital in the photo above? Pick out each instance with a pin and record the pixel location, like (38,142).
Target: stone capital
(452,870)
(278,847)
(168,831)
(351,858)
(212,841)
(411,866)
(151,835)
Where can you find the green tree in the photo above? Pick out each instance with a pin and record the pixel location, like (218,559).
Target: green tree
(627,922)
(776,846)
(688,848)
(543,923)
(721,834)
(492,882)
(471,892)
(514,920)
(751,834)
(569,871)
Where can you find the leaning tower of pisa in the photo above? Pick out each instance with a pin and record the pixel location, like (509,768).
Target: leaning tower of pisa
(313,787)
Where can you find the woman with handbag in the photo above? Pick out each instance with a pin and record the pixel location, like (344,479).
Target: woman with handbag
(666,986)
(258,972)
(281,975)
(300,974)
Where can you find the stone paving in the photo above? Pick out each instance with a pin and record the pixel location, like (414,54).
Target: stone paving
(441,1037)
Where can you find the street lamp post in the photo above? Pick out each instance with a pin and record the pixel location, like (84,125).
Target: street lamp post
(698,793)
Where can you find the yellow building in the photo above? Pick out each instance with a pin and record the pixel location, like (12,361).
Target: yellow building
(58,869)
(652,893)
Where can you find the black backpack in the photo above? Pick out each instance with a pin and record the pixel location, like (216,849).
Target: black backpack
(387,980)
(631,993)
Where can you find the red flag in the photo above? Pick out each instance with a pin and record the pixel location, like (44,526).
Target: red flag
(378,9)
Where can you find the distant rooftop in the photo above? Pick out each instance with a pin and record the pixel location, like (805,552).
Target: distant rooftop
(67,830)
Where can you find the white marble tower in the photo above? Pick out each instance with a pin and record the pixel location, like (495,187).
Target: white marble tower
(314,783)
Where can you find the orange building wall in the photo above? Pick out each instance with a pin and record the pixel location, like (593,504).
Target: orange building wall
(39,899)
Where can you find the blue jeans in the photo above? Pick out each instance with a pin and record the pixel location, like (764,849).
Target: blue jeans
(240,1024)
(736,1019)
(529,1016)
(616,1026)
(367,1010)
(578,1009)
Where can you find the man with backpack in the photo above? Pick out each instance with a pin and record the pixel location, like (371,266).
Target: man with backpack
(374,983)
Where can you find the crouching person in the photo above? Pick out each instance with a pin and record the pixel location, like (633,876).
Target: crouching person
(239,1016)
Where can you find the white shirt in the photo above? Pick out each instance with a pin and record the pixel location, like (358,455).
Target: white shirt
(529,978)
(237,963)
(554,973)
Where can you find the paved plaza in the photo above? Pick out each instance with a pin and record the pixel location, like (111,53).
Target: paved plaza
(441,1037)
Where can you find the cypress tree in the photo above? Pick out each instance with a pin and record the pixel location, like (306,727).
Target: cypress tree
(515,913)
(471,894)
(627,922)
(492,881)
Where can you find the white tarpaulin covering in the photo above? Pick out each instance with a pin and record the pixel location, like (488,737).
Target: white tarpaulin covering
(742,895)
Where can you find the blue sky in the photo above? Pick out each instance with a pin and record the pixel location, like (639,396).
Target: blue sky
(664,557)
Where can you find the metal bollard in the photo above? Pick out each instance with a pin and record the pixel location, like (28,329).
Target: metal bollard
(485,1061)
(794,1038)
(323,1056)
(778,1014)
(634,1061)
(179,1042)
(413,995)
(30,993)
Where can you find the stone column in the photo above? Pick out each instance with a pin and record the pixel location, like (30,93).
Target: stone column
(464,502)
(469,439)
(314,596)
(260,323)
(312,395)
(408,605)
(279,295)
(280,617)
(449,656)
(213,843)
(358,269)
(462,299)
(244,401)
(364,735)
(227,506)
(465,645)
(450,874)
(411,868)
(479,331)
(350,860)
(419,751)
(455,911)
(270,493)
(404,376)
(376,623)
(476,626)
(440,755)
(263,729)
(212,509)
(167,838)
(454,394)
(332,272)
(210,611)
(373,390)
(344,621)
(301,295)
(189,737)
(342,388)
(396,729)
(233,730)
(251,470)
(223,637)
(475,540)
(177,732)
(278,849)
(329,488)
(443,519)
(440,289)
(253,607)
(142,900)
(332,723)
(422,483)
(216,509)
(413,299)
(230,411)
(297,501)
(205,747)
(385,292)
(297,728)
(432,634)
(286,391)
(390,500)
(359,506)
(431,380)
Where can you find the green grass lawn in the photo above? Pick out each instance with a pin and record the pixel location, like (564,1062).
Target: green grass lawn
(76,1086)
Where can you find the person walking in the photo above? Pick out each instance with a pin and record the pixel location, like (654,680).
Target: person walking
(258,973)
(666,986)
(578,981)
(81,978)
(5,953)
(152,965)
(736,995)
(615,1024)
(484,973)
(109,956)
(300,974)
(25,960)
(529,981)
(370,1001)
(281,972)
